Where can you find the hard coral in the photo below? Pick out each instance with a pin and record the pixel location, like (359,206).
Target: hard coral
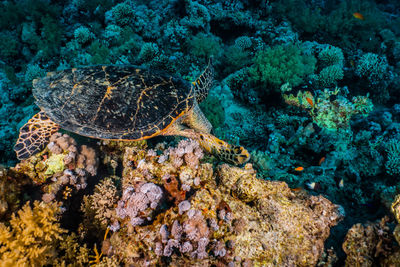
(373,67)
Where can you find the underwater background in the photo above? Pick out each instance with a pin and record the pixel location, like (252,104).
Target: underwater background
(311,88)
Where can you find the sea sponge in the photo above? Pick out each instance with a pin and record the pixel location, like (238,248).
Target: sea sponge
(32,236)
(364,244)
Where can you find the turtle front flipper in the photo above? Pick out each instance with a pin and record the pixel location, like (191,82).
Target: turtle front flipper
(34,135)
(229,153)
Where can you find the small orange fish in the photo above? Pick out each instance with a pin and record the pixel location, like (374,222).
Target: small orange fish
(299,169)
(352,63)
(358,15)
(297,189)
(321,161)
(310,101)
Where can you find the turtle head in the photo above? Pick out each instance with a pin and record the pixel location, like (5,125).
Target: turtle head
(236,155)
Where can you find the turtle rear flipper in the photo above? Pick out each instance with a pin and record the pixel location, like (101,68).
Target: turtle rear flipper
(204,82)
(34,135)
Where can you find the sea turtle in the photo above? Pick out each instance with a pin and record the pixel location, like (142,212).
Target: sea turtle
(122,103)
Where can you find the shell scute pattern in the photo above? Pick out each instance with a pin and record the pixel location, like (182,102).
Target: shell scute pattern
(113,102)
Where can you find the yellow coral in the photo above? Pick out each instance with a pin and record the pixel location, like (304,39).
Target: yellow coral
(55,164)
(31,238)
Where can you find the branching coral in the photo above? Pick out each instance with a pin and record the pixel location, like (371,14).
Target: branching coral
(31,238)
(102,202)
(373,67)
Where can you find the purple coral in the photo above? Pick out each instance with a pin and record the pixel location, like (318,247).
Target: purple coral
(176,230)
(137,204)
(188,151)
(183,206)
(196,226)
(219,249)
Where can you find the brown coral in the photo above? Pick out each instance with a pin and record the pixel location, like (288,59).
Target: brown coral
(364,245)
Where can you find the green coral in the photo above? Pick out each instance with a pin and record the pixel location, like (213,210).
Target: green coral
(148,52)
(205,45)
(99,53)
(392,164)
(331,55)
(327,113)
(213,110)
(372,66)
(277,65)
(83,35)
(123,14)
(330,75)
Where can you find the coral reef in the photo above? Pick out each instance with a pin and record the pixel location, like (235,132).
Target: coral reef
(226,216)
(335,64)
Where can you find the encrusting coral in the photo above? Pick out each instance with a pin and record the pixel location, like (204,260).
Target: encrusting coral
(224,216)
